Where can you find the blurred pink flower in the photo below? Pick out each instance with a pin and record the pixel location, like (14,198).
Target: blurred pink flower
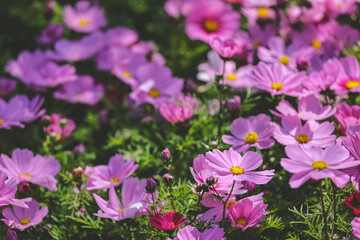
(180,110)
(50,34)
(355,225)
(8,189)
(347,116)
(6,87)
(192,233)
(59,127)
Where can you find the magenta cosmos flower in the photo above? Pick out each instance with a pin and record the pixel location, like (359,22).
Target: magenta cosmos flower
(156,85)
(311,134)
(355,225)
(59,127)
(256,131)
(22,218)
(24,166)
(309,108)
(231,166)
(50,34)
(84,18)
(8,189)
(121,37)
(192,233)
(352,144)
(104,176)
(168,222)
(227,48)
(134,201)
(209,19)
(180,110)
(83,90)
(245,214)
(277,79)
(317,163)
(6,87)
(347,116)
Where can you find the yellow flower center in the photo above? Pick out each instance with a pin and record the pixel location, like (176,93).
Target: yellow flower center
(127,74)
(230,204)
(263,12)
(316,44)
(25,175)
(114,180)
(352,84)
(121,209)
(257,44)
(24,221)
(154,93)
(83,22)
(231,77)
(319,164)
(251,137)
(302,138)
(211,25)
(241,221)
(236,170)
(1,121)
(284,60)
(277,86)
(58,137)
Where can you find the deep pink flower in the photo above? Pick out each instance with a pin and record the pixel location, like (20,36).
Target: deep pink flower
(209,19)
(352,144)
(277,79)
(346,116)
(134,201)
(180,110)
(311,134)
(84,18)
(8,189)
(192,233)
(22,218)
(50,34)
(255,131)
(226,48)
(355,225)
(317,163)
(83,90)
(59,127)
(168,222)
(245,214)
(230,166)
(104,176)
(6,87)
(24,166)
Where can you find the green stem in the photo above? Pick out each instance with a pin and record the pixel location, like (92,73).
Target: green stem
(227,199)
(324,212)
(220,88)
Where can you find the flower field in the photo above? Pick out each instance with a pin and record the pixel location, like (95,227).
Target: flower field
(180,119)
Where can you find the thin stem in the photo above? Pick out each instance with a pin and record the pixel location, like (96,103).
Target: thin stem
(334,190)
(227,199)
(220,89)
(324,212)
(198,203)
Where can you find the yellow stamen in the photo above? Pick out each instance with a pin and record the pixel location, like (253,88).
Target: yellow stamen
(230,204)
(236,170)
(154,93)
(127,74)
(241,221)
(319,165)
(316,44)
(58,137)
(284,60)
(114,180)
(263,12)
(231,77)
(302,138)
(251,137)
(25,175)
(277,86)
(352,84)
(121,209)
(211,25)
(257,44)
(24,221)
(83,22)
(1,121)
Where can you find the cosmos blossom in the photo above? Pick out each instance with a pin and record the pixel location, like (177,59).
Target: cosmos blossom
(59,127)
(51,34)
(256,131)
(353,203)
(192,233)
(6,87)
(180,110)
(347,116)
(355,225)
(168,222)
(352,144)
(317,163)
(105,176)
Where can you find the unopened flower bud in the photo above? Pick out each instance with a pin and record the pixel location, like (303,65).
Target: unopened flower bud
(150,185)
(166,155)
(251,187)
(210,181)
(233,104)
(302,65)
(213,143)
(11,234)
(81,212)
(77,173)
(24,188)
(168,179)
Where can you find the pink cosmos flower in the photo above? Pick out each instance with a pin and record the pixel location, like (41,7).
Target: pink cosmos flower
(347,116)
(6,87)
(168,222)
(245,214)
(311,134)
(309,108)
(121,37)
(134,198)
(180,110)
(104,176)
(148,49)
(59,127)
(192,233)
(31,108)
(277,79)
(38,69)
(352,144)
(84,18)
(259,36)
(355,225)
(260,13)
(317,163)
(226,48)
(11,113)
(50,34)
(83,90)
(156,85)
(24,166)
(256,131)
(209,19)
(78,50)
(8,189)
(22,218)
(231,166)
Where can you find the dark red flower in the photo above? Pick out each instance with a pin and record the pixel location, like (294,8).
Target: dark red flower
(353,202)
(169,221)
